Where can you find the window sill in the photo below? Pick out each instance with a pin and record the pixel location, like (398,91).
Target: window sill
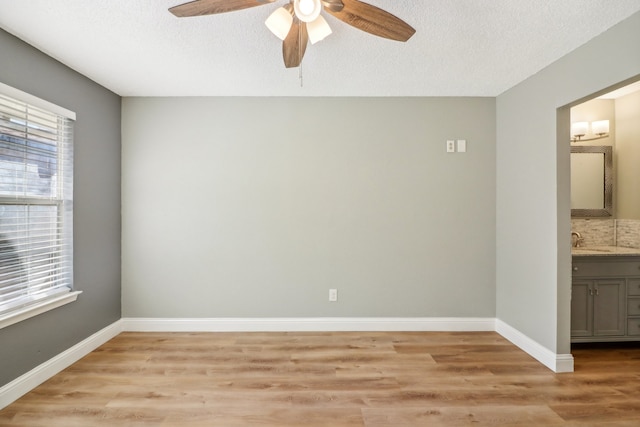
(33,310)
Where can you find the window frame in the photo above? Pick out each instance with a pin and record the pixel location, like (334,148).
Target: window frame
(49,303)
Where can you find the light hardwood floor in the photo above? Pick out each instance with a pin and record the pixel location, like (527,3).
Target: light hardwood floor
(332,379)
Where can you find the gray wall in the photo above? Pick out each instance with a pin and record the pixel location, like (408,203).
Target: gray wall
(96,209)
(255,207)
(533,214)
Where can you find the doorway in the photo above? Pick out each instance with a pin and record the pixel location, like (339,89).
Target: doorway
(605,246)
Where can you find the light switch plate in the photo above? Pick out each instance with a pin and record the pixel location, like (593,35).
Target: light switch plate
(462,145)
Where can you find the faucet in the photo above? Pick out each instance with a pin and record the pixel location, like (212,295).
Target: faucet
(578,239)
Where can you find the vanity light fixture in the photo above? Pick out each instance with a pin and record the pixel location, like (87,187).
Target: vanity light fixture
(599,128)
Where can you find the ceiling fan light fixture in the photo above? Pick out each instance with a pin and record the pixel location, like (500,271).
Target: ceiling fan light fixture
(318,29)
(307,10)
(279,22)
(289,23)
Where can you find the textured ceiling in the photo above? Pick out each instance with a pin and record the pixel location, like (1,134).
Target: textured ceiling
(461,47)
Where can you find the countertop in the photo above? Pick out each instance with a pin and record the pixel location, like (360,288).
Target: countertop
(605,251)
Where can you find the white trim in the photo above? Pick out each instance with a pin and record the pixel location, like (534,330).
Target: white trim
(35,101)
(33,310)
(27,382)
(564,363)
(308,324)
(556,362)
(20,386)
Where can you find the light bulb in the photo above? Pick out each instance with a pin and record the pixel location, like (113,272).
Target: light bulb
(307,10)
(306,6)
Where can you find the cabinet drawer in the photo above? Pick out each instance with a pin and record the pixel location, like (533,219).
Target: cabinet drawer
(633,327)
(633,307)
(633,287)
(608,268)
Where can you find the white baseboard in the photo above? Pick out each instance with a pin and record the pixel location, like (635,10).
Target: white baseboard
(330,324)
(556,362)
(25,383)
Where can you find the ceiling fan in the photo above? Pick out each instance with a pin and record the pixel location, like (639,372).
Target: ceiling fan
(300,21)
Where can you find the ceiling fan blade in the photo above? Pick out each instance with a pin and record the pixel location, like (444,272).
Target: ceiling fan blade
(210,7)
(295,44)
(334,5)
(373,20)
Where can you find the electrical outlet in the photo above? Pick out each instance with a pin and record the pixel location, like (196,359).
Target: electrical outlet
(333,295)
(451,146)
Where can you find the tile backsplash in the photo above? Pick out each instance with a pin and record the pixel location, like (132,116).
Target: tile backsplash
(595,231)
(608,232)
(628,233)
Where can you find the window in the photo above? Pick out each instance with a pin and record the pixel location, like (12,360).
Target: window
(36,206)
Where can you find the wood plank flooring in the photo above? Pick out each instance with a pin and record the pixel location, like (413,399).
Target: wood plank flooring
(332,379)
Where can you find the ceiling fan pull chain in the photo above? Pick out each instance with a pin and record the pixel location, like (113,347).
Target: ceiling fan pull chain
(300,54)
(300,75)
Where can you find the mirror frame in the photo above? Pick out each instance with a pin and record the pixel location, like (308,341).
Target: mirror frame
(608,181)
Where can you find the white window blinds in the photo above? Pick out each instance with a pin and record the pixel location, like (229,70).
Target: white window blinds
(36,203)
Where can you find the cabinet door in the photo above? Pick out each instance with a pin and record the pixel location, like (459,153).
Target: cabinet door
(609,307)
(581,308)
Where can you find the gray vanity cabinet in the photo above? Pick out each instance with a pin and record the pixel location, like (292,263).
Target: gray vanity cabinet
(581,308)
(633,308)
(605,299)
(598,308)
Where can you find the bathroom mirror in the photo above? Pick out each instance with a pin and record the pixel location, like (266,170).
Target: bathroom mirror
(591,181)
